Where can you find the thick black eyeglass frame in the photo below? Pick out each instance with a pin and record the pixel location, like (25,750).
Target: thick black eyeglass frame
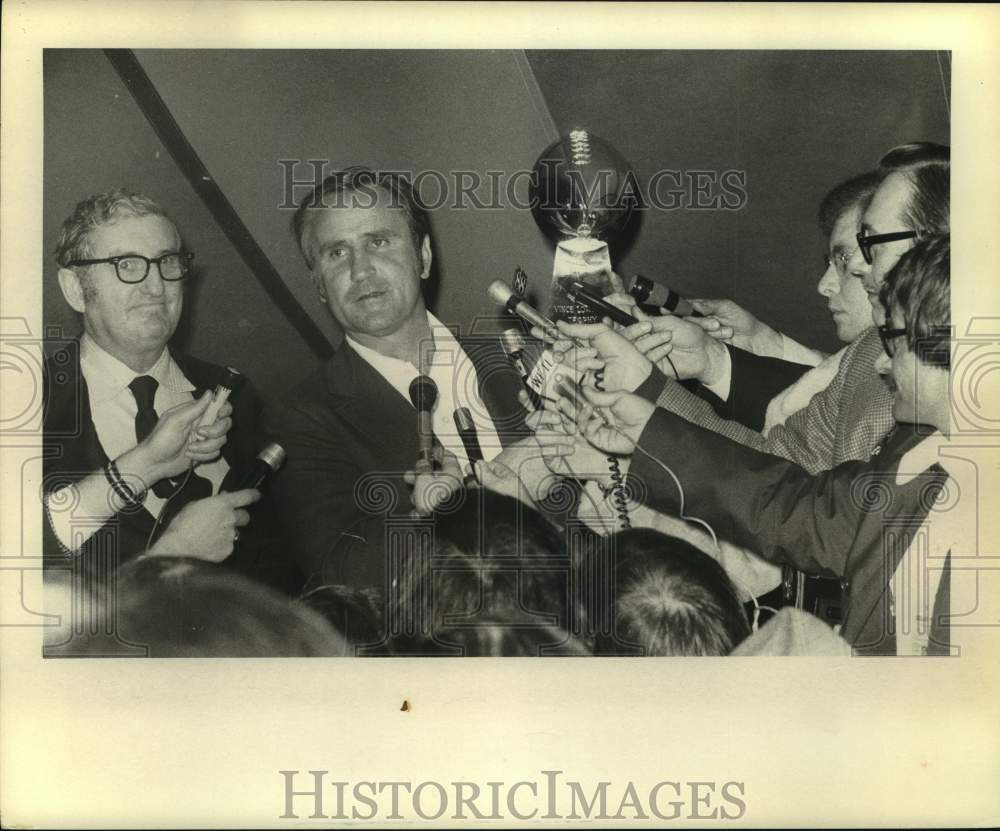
(887,336)
(866,243)
(184,259)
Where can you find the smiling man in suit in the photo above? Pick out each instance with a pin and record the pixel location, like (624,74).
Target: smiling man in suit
(129,466)
(350,428)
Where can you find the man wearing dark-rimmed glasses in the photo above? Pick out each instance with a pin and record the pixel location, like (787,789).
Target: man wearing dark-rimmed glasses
(134,461)
(909,204)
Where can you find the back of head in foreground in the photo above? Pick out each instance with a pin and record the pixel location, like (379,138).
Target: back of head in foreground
(493,562)
(669,598)
(180,607)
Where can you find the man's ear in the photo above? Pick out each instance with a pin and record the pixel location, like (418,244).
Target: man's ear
(320,287)
(425,257)
(69,282)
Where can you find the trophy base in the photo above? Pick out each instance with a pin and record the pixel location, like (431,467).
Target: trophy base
(585,259)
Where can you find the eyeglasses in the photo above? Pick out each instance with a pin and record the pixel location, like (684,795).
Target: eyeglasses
(865,243)
(888,337)
(839,261)
(134,268)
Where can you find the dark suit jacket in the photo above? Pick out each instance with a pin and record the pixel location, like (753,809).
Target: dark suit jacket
(73,451)
(754,381)
(350,436)
(852,522)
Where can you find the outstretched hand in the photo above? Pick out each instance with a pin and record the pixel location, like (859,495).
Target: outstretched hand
(431,490)
(610,421)
(564,448)
(726,320)
(624,366)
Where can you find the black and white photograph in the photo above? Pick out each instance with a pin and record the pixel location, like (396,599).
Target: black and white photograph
(511,348)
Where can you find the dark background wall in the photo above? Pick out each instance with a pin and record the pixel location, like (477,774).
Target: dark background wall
(795,122)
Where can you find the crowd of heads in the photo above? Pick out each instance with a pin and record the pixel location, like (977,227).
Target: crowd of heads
(493,578)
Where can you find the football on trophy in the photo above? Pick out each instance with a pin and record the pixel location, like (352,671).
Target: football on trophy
(581,186)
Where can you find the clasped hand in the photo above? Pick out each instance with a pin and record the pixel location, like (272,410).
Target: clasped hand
(176,443)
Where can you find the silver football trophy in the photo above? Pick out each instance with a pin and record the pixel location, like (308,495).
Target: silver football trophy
(580,198)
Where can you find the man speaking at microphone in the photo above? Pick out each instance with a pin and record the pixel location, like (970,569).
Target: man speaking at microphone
(350,429)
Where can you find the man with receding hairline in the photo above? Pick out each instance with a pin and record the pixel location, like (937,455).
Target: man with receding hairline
(350,428)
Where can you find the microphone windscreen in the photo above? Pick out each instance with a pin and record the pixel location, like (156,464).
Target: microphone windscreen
(512,341)
(500,292)
(463,420)
(273,456)
(423,393)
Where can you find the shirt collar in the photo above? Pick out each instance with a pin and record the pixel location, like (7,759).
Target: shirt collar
(443,341)
(916,460)
(107,376)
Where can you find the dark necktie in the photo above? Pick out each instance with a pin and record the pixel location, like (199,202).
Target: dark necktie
(144,390)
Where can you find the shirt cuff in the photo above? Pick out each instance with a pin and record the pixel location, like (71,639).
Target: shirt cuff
(61,519)
(722,387)
(797,353)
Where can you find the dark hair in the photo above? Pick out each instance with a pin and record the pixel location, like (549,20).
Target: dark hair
(929,207)
(184,607)
(919,286)
(854,192)
(914,154)
(354,613)
(494,562)
(363,180)
(669,598)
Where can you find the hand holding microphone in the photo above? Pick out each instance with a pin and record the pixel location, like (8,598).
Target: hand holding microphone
(502,295)
(436,486)
(579,292)
(658,299)
(437,475)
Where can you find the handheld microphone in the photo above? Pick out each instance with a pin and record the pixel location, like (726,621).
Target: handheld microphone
(423,394)
(657,299)
(542,375)
(587,296)
(221,394)
(502,295)
(267,463)
(515,346)
(467,433)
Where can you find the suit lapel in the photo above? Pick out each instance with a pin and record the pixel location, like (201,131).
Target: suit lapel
(375,409)
(370,405)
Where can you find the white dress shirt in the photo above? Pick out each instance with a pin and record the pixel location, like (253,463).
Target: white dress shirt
(457,384)
(113,409)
